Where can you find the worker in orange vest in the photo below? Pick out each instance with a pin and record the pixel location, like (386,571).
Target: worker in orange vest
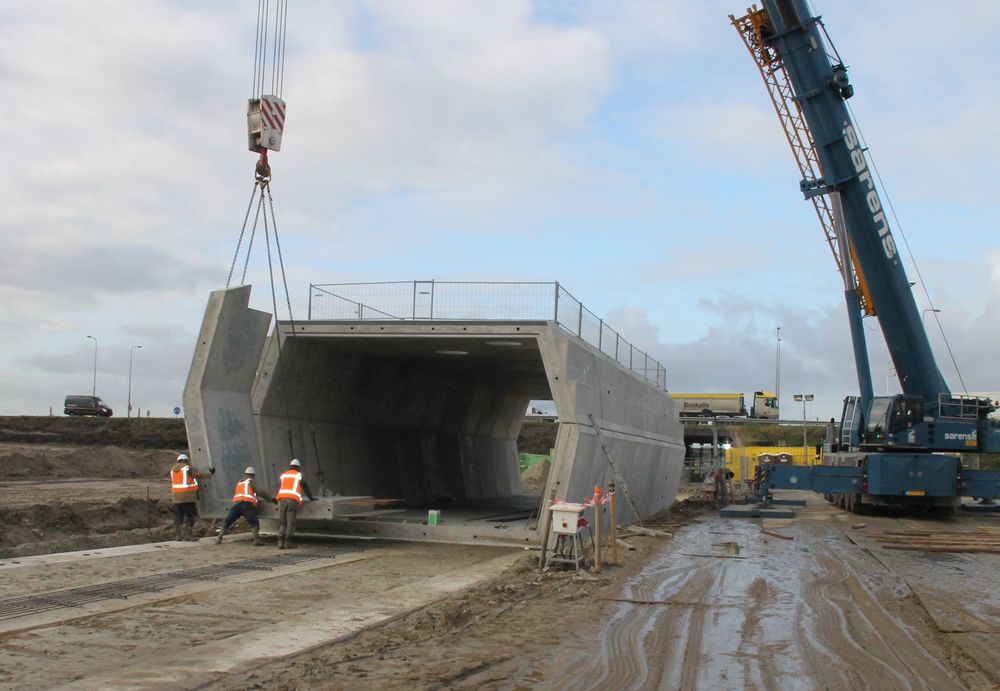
(184,491)
(245,498)
(292,486)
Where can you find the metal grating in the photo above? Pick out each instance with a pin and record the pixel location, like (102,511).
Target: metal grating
(22,606)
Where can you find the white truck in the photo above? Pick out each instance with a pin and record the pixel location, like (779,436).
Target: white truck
(765,405)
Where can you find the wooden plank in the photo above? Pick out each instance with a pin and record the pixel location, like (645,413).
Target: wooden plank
(777,535)
(945,548)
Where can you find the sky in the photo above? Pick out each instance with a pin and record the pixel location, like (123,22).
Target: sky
(625,148)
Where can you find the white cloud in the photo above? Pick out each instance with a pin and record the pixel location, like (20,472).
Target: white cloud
(623,148)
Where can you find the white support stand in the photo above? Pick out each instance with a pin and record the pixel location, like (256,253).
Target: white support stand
(567,527)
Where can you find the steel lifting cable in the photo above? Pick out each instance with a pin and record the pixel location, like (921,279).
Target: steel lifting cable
(253,233)
(281,262)
(263,184)
(243,230)
(262,28)
(274,49)
(274,297)
(270,267)
(277,46)
(256,51)
(284,27)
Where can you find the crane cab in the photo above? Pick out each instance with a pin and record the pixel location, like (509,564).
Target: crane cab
(955,423)
(894,421)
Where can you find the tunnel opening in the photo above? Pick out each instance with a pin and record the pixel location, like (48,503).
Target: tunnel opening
(397,432)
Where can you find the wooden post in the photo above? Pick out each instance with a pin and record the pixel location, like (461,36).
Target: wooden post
(598,500)
(614,522)
(547,522)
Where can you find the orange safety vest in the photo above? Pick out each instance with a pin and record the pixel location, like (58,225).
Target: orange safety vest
(290,482)
(181,481)
(244,492)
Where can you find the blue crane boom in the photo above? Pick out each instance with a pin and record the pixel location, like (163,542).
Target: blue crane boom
(810,91)
(821,89)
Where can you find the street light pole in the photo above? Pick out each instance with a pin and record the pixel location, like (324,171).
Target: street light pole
(777,374)
(94,391)
(131,350)
(805,444)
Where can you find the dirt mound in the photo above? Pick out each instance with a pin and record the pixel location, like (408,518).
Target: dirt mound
(44,528)
(67,526)
(51,461)
(140,433)
(537,436)
(534,478)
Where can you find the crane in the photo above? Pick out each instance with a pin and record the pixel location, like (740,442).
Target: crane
(892,443)
(265,128)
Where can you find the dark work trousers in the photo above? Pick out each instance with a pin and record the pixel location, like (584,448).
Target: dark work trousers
(185,513)
(288,509)
(244,508)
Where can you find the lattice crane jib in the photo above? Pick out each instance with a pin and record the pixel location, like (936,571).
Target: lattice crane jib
(753,28)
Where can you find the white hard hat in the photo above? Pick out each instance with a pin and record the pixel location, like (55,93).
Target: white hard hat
(249,471)
(183,457)
(295,463)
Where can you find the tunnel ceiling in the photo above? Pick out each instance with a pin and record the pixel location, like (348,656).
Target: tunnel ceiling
(481,357)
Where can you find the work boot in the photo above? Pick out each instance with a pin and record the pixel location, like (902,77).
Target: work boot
(290,545)
(281,543)
(222,532)
(257,542)
(179,532)
(189,534)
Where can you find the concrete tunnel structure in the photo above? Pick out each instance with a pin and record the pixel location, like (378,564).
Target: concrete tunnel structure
(393,418)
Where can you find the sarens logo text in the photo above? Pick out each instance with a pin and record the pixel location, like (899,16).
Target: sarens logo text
(959,436)
(874,203)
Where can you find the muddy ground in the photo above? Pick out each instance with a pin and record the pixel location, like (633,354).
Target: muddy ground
(816,601)
(815,604)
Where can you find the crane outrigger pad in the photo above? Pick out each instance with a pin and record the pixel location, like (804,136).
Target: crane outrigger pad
(980,508)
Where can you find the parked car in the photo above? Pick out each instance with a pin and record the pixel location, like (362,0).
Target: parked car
(86,405)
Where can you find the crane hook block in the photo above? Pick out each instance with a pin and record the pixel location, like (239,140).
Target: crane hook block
(265,123)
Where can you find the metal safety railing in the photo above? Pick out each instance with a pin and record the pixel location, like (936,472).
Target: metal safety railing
(473,301)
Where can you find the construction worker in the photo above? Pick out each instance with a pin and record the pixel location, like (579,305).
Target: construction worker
(184,490)
(291,488)
(245,504)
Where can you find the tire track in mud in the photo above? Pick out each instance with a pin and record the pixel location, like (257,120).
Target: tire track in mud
(768,672)
(815,613)
(636,634)
(855,641)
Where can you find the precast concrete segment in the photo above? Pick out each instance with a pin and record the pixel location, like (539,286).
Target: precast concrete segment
(638,420)
(217,412)
(426,412)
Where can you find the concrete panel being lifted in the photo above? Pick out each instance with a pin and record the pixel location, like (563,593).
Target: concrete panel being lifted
(393,418)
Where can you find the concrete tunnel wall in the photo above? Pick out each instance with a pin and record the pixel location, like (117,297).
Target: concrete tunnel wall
(391,426)
(221,426)
(637,420)
(375,409)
